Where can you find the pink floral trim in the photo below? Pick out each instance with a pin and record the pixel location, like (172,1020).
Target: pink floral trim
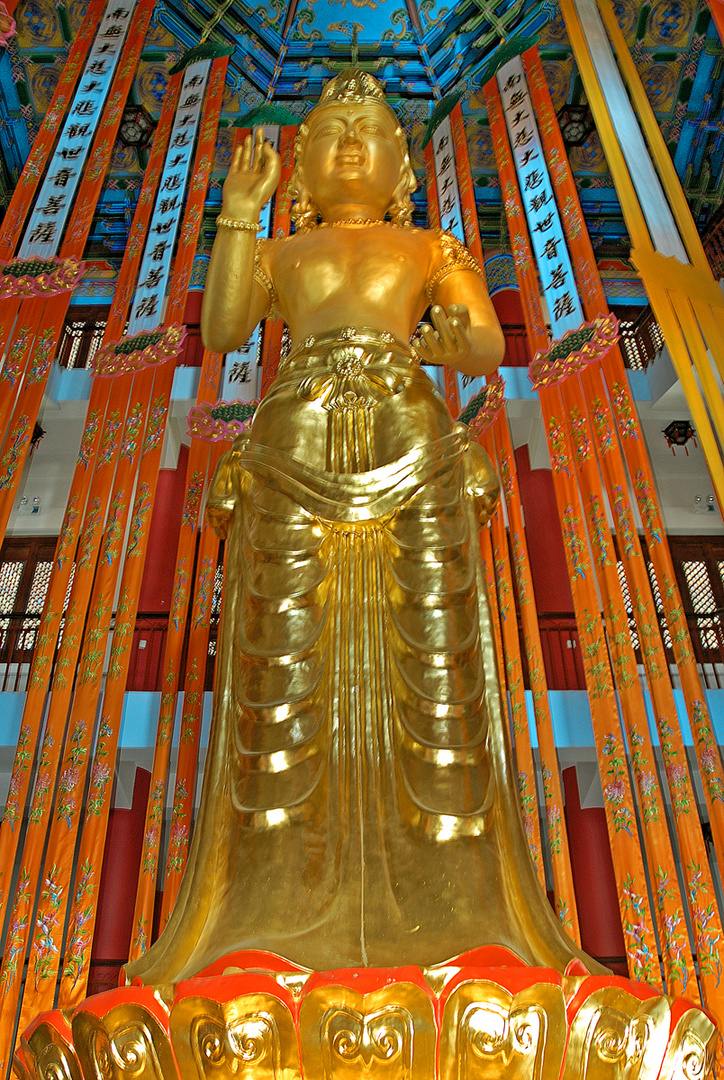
(491,402)
(147,349)
(202,424)
(574,351)
(7,26)
(38,277)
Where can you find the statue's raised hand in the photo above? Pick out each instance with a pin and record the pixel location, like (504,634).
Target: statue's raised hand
(448,340)
(252,178)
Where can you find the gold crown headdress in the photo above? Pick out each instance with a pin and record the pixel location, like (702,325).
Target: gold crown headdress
(353,86)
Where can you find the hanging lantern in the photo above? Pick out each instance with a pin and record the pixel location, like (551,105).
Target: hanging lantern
(136,127)
(576,123)
(678,433)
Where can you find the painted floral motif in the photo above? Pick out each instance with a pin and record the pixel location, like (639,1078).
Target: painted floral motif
(599,531)
(648,508)
(80,932)
(89,436)
(564,915)
(140,937)
(579,434)
(67,533)
(528,806)
(574,544)
(506,476)
(192,702)
(557,446)
(643,964)
(520,566)
(646,780)
(676,771)
(109,438)
(204,591)
(13,365)
(42,357)
(23,758)
(155,425)
(517,697)
(114,527)
(553,814)
(46,924)
(708,752)
(598,670)
(179,831)
(180,596)
(615,790)
(94,648)
(121,635)
(601,426)
(16,935)
(623,407)
(624,522)
(153,829)
(674,928)
(622,655)
(16,444)
(134,421)
(707,937)
(190,514)
(90,528)
(141,510)
(43,784)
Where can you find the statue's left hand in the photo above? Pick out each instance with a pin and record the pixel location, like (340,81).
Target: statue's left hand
(448,340)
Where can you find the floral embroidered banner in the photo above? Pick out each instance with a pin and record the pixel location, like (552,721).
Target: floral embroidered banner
(84,908)
(699,889)
(637,923)
(565,899)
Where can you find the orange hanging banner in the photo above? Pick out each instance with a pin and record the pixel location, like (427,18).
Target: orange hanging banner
(50,324)
(700,891)
(197,475)
(26,187)
(694,862)
(565,898)
(516,693)
(677,957)
(84,908)
(188,753)
(106,407)
(638,926)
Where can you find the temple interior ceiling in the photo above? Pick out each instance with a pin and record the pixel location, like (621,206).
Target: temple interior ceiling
(422,50)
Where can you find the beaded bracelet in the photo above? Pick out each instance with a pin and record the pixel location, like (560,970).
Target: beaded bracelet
(238,223)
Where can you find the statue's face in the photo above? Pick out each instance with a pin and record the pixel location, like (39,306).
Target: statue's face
(352,154)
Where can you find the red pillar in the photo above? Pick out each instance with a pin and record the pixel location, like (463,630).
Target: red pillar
(117,891)
(543,533)
(593,878)
(163,537)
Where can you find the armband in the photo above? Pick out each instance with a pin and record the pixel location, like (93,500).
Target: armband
(456,257)
(263,279)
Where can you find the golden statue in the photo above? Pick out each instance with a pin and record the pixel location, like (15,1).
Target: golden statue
(359,807)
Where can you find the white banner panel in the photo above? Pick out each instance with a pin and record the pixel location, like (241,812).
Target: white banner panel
(57,193)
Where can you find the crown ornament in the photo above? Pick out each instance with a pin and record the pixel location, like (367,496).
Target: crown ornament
(353,86)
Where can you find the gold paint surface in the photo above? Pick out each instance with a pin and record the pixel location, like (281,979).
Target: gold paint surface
(359,807)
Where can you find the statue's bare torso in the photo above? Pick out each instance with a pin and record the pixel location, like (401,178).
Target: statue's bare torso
(374,276)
